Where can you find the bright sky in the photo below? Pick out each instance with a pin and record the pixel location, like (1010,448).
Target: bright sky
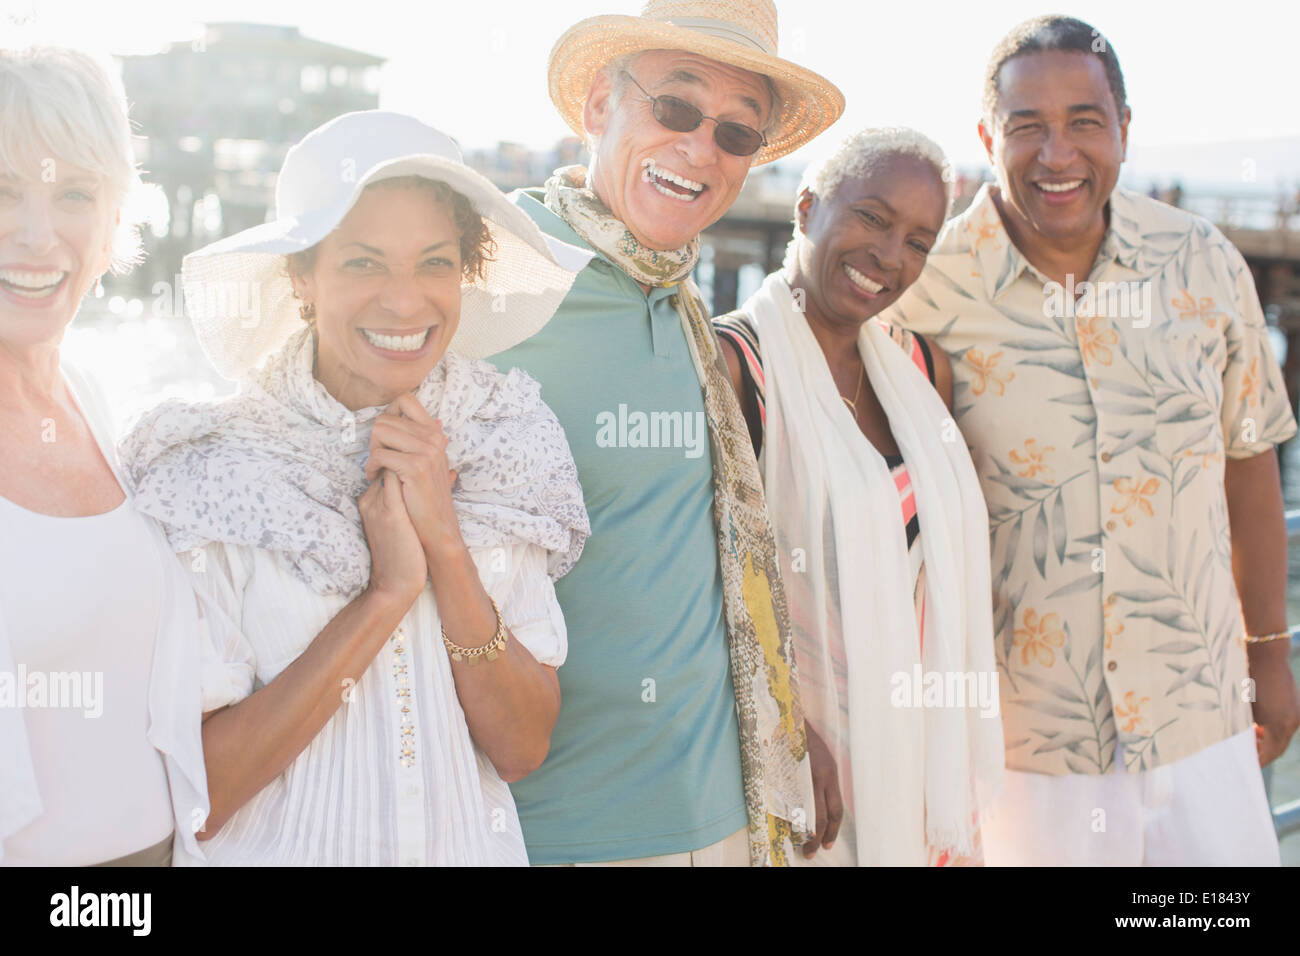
(1198,72)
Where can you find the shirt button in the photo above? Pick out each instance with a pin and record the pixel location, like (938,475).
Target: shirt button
(1111,665)
(1110,525)
(412,790)
(412,861)
(1105,456)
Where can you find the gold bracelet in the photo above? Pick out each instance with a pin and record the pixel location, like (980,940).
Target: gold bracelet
(490,650)
(1265,638)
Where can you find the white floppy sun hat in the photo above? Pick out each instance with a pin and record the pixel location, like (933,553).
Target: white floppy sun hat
(241,301)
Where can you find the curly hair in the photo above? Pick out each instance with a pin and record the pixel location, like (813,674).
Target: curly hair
(477,247)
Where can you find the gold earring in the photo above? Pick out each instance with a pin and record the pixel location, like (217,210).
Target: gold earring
(308,312)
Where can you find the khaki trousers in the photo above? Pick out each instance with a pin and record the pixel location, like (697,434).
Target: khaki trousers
(731,851)
(160,854)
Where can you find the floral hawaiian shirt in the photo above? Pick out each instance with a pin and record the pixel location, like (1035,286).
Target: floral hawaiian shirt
(1099,415)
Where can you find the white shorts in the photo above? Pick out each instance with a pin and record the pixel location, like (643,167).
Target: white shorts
(1208,809)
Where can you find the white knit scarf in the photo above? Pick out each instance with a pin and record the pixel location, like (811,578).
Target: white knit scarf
(914,770)
(280,467)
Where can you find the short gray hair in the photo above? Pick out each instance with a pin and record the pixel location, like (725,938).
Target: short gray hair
(68,106)
(617,67)
(861,153)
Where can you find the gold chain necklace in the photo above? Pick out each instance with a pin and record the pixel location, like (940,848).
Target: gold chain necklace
(853,405)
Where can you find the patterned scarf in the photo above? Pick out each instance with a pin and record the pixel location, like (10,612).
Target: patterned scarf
(280,467)
(773,751)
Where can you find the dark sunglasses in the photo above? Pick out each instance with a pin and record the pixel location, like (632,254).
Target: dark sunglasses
(680,116)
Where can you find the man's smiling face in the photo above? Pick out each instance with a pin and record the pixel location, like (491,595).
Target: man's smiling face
(1056,139)
(668,187)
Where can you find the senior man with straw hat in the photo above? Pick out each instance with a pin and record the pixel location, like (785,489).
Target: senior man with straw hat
(681,740)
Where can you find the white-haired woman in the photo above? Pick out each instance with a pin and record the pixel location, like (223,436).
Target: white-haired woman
(876,509)
(378,513)
(100,756)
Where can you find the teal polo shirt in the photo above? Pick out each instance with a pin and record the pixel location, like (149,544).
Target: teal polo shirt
(645,758)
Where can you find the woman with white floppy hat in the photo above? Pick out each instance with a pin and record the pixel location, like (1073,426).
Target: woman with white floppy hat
(379,513)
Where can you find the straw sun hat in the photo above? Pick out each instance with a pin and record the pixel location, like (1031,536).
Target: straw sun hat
(241,301)
(740,33)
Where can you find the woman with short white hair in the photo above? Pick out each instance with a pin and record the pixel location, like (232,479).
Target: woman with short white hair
(100,754)
(875,503)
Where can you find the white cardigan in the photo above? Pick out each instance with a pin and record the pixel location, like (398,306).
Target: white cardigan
(174,690)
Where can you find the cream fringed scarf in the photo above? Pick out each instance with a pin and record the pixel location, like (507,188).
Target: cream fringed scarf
(774,752)
(918,773)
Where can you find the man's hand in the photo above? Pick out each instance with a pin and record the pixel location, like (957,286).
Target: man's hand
(1277,700)
(826,794)
(1257,520)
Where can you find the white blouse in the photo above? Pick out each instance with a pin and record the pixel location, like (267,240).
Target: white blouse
(81,598)
(143,637)
(393,778)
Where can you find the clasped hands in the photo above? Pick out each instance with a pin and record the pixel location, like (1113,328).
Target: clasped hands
(407,512)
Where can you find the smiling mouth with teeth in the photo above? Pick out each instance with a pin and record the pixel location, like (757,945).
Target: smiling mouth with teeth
(862,282)
(32,285)
(670,183)
(398,343)
(1060,187)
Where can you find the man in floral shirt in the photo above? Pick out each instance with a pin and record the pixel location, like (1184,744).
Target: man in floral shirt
(1114,377)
